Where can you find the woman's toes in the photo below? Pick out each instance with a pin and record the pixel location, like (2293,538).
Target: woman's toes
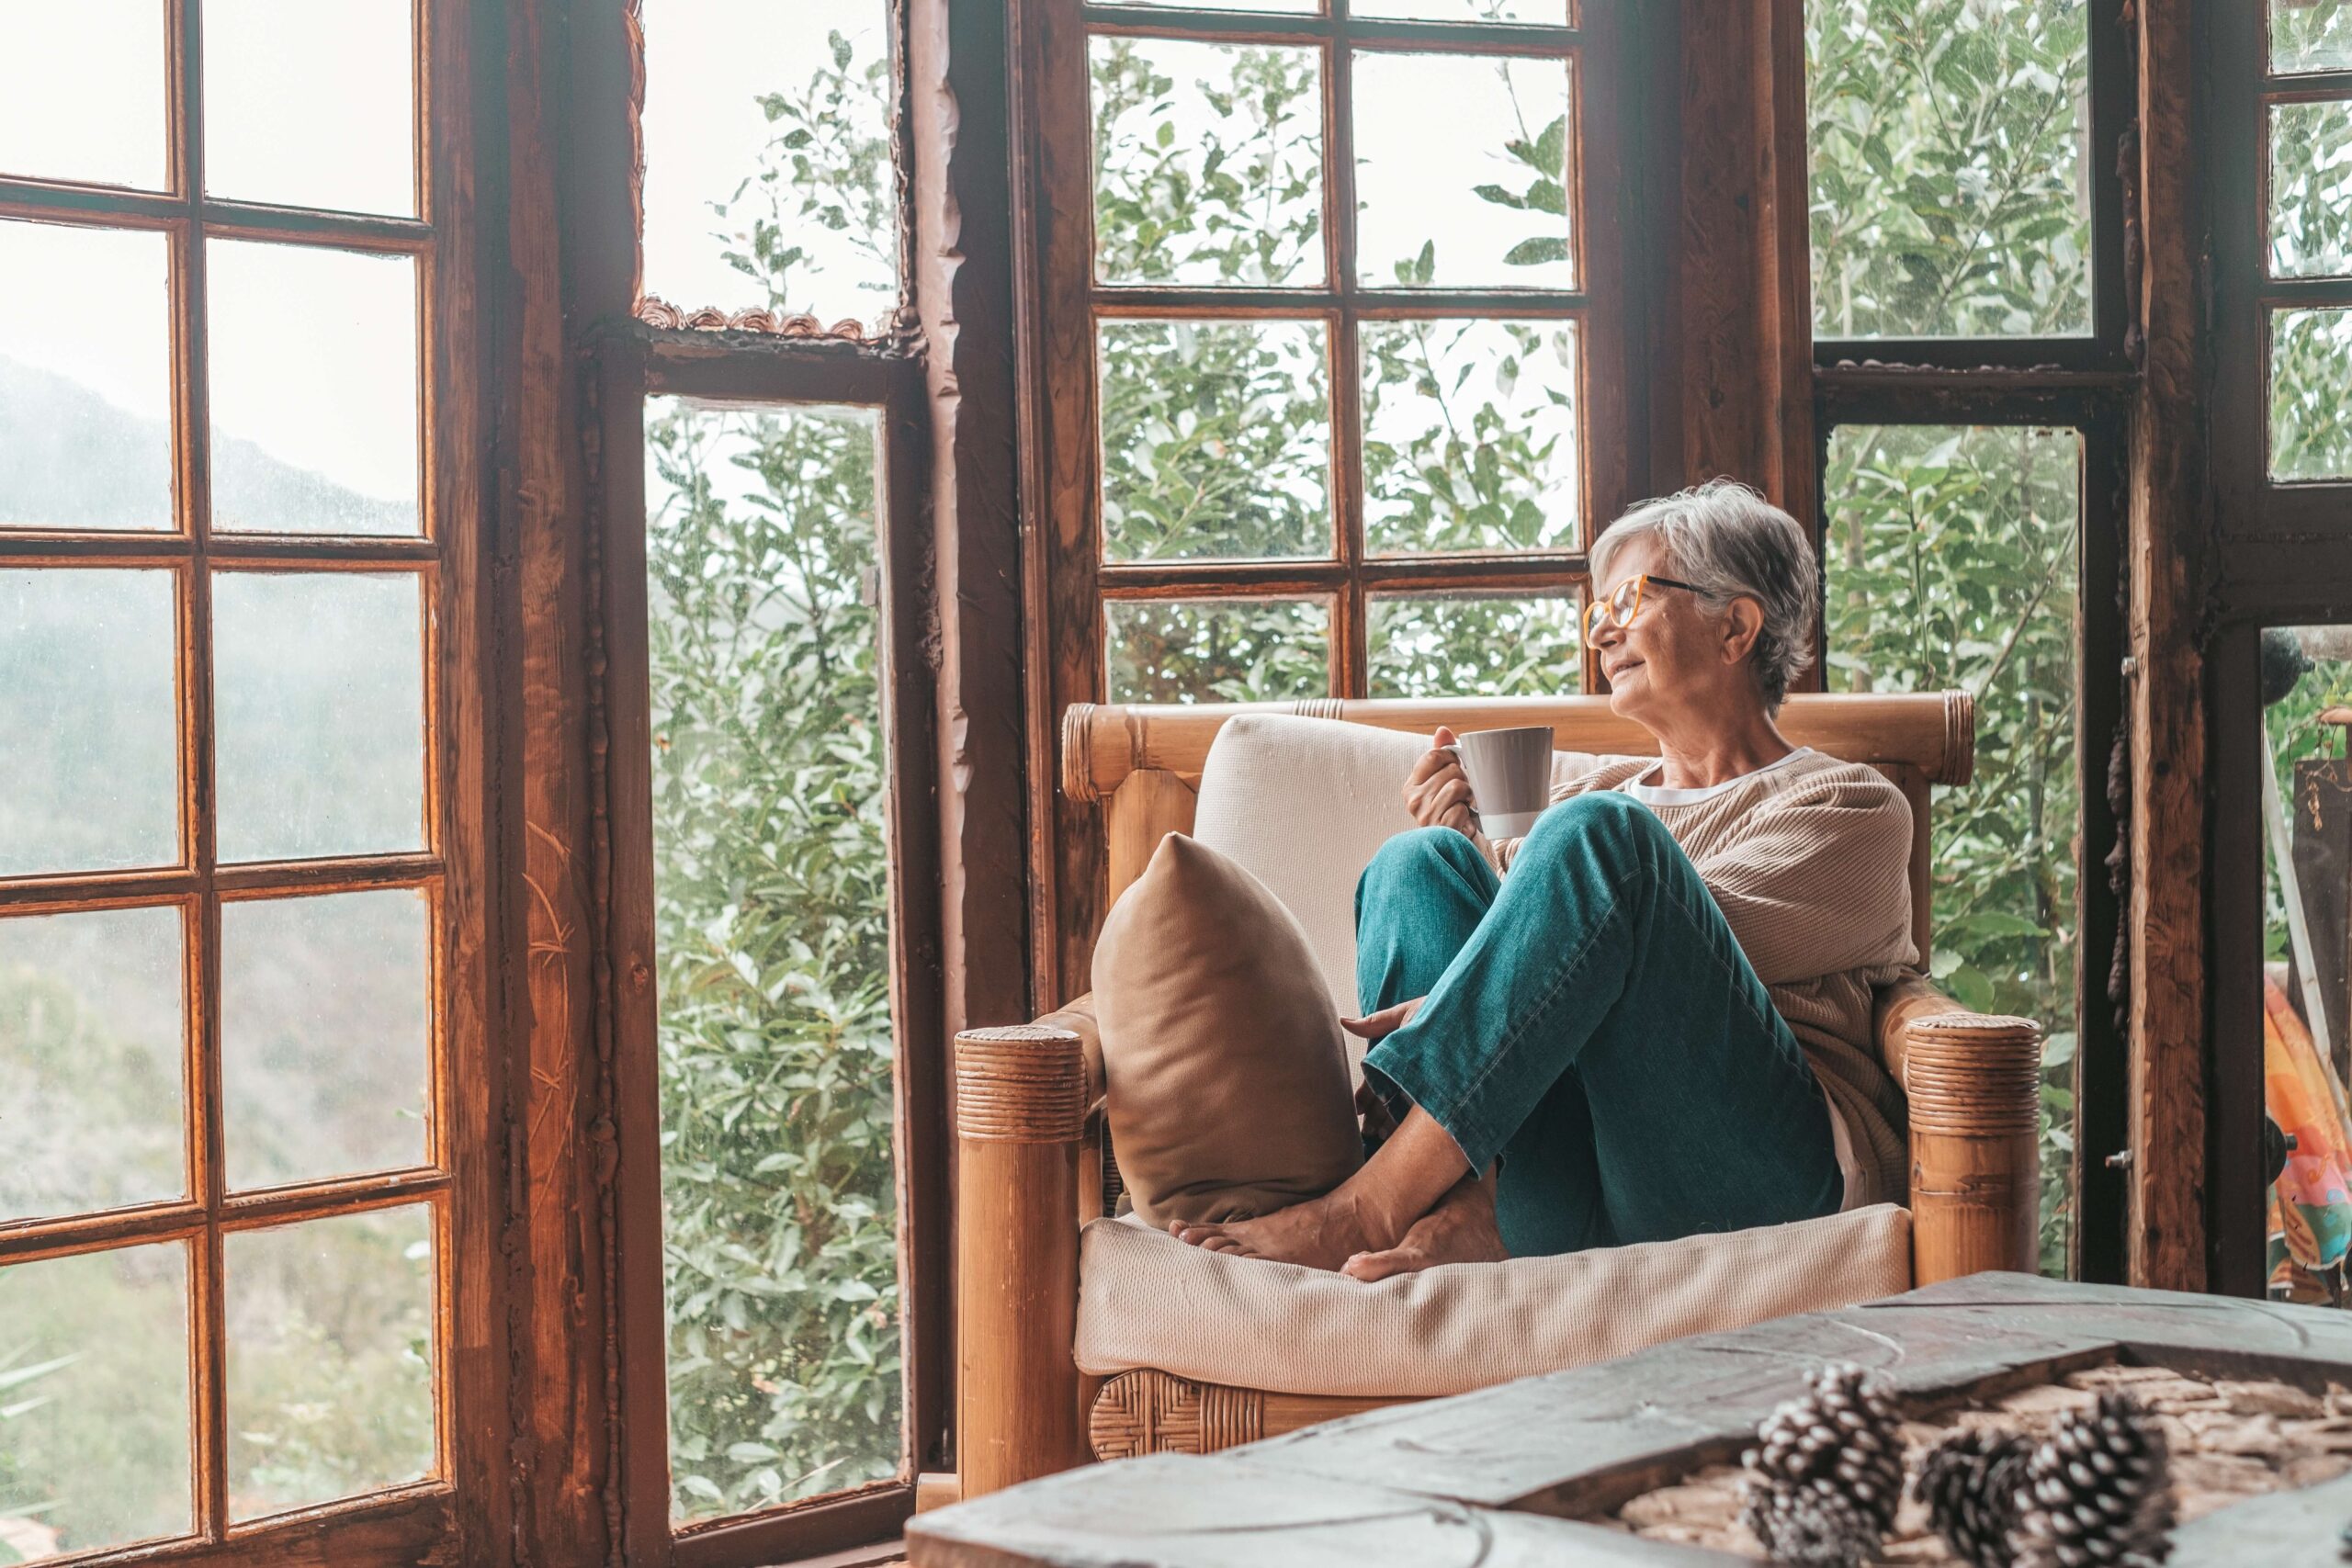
(1368,1267)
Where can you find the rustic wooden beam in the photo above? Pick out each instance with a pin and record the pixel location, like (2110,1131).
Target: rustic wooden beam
(2168,986)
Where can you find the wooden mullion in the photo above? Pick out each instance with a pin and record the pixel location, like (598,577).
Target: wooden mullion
(1475,573)
(207,1318)
(69,892)
(1155,300)
(1378,33)
(29,1241)
(267,878)
(2048,354)
(91,207)
(1343,361)
(345,231)
(742,367)
(2304,293)
(326,1199)
(2316,86)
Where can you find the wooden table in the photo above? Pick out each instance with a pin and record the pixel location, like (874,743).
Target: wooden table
(1496,1478)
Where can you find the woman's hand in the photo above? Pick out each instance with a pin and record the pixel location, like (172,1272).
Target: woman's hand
(1437,792)
(1377,1122)
(1386,1021)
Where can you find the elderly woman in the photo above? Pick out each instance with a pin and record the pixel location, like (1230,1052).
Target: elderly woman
(1651,1016)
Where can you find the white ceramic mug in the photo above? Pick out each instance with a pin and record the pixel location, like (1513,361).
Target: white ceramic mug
(1511,777)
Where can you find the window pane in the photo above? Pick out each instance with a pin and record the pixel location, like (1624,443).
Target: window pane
(324,1034)
(85,367)
(1469,435)
(89,721)
(2311,189)
(1466,644)
(93,1402)
(2310,35)
(2311,363)
(1952,558)
(1216,440)
(1231,650)
(1208,162)
(1471,196)
(771,904)
(90,1053)
(1951,191)
(318,712)
(2306,677)
(83,91)
(308,105)
(768,172)
(315,389)
(329,1358)
(1542,12)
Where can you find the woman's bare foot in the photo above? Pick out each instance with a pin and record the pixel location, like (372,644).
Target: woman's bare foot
(1461,1229)
(1322,1232)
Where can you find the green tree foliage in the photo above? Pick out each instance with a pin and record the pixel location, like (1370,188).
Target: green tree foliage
(1946,148)
(771,904)
(1950,565)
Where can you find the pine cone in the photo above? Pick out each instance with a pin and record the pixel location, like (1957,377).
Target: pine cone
(1811,1526)
(1970,1483)
(1827,1471)
(2097,1492)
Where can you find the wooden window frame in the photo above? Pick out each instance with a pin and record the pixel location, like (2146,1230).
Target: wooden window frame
(410,1522)
(1069,580)
(2270,554)
(634,347)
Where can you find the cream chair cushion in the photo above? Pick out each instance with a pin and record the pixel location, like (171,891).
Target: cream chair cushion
(1147,1300)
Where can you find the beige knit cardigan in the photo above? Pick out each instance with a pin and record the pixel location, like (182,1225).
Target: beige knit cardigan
(1810,863)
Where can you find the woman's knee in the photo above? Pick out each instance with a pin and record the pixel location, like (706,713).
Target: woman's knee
(1603,822)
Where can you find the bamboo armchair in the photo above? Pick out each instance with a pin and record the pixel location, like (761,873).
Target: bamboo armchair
(1034,1164)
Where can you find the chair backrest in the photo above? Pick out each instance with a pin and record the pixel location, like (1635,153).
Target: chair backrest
(1144,761)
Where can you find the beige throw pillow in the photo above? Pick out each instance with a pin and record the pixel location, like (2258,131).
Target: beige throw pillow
(1223,1071)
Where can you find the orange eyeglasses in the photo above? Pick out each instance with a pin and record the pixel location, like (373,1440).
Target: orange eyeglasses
(1621,607)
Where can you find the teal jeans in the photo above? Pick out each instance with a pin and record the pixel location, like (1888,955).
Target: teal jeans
(1593,1023)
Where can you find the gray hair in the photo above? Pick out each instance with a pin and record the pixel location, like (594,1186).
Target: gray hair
(1730,543)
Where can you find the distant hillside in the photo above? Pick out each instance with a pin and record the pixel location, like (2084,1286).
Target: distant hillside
(71,459)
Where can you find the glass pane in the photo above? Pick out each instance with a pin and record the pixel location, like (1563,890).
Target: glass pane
(770,871)
(2306,681)
(89,721)
(1474,196)
(329,1358)
(93,1402)
(315,389)
(1466,644)
(2311,364)
(1951,559)
(1541,13)
(86,378)
(2311,189)
(1227,650)
(318,699)
(1216,440)
(1950,197)
(1208,162)
(2310,35)
(308,105)
(84,92)
(768,174)
(324,1034)
(1469,435)
(90,1055)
